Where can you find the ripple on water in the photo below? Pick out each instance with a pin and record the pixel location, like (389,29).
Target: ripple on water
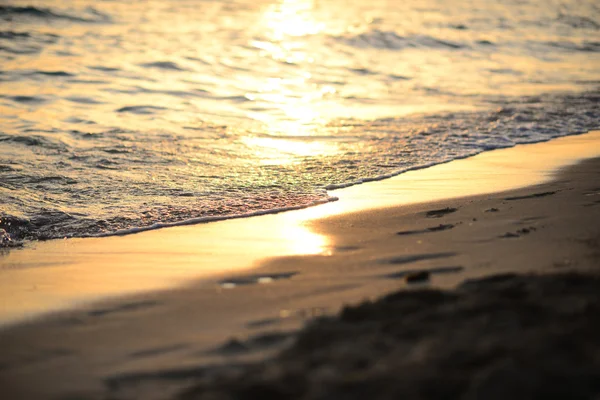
(104,68)
(83,100)
(199,110)
(585,46)
(142,110)
(166,65)
(391,40)
(577,21)
(53,73)
(89,15)
(28,99)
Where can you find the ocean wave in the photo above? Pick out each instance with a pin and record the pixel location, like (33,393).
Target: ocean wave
(172,115)
(52,224)
(23,43)
(118,182)
(33,140)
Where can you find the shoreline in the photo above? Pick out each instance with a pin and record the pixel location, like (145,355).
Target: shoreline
(47,277)
(141,342)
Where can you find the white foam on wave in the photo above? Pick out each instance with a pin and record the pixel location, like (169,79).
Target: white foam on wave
(530,140)
(212,218)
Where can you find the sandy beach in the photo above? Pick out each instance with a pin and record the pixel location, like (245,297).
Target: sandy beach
(202,341)
(299,199)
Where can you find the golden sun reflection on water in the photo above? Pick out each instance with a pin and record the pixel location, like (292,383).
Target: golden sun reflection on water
(292,18)
(301,103)
(280,151)
(286,28)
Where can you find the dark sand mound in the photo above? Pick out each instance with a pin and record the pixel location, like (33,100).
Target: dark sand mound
(502,337)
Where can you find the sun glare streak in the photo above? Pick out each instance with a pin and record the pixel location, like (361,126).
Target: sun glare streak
(292,18)
(279,151)
(302,241)
(287,28)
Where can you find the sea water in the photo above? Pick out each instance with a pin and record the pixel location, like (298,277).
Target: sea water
(117,115)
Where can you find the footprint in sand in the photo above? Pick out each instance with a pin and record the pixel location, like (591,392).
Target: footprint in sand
(411,258)
(595,203)
(439,228)
(531,196)
(263,341)
(527,220)
(440,213)
(255,279)
(519,233)
(593,192)
(422,275)
(157,351)
(128,307)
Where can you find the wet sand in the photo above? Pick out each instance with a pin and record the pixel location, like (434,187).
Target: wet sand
(169,344)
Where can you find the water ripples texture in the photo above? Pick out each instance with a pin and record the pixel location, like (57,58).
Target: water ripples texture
(120,114)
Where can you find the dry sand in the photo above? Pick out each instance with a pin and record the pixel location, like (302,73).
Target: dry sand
(160,345)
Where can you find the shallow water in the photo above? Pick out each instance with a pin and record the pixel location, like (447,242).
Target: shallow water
(118,115)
